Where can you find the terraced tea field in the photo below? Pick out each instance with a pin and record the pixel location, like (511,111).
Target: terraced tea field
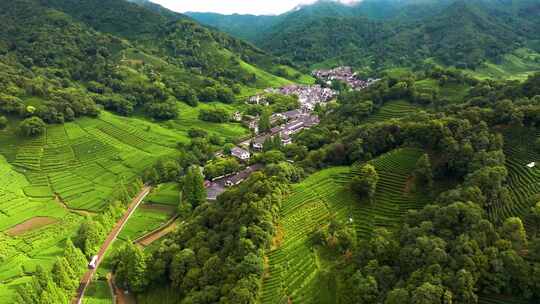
(392,109)
(48,183)
(524,182)
(500,300)
(295,265)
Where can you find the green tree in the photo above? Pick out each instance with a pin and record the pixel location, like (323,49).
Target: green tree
(423,173)
(367,289)
(89,237)
(428,294)
(365,183)
(264,122)
(397,296)
(41,290)
(63,275)
(75,258)
(514,231)
(32,126)
(130,268)
(3,122)
(465,288)
(193,190)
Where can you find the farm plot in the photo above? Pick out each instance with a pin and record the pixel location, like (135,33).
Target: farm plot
(189,118)
(293,268)
(167,194)
(524,182)
(392,109)
(146,219)
(20,254)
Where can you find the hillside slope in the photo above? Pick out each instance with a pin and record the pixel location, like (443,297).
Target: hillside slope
(70,55)
(381,33)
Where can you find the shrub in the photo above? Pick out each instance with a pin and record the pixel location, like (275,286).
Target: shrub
(32,126)
(3,122)
(214,115)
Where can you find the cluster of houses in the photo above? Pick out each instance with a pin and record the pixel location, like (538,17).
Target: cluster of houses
(344,74)
(308,95)
(217,186)
(296,121)
(286,124)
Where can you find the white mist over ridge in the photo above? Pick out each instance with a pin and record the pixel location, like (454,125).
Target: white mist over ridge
(311,2)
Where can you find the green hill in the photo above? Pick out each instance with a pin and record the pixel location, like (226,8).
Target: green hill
(386,33)
(120,55)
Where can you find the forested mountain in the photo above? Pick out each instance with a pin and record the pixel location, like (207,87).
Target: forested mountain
(126,55)
(246,27)
(395,32)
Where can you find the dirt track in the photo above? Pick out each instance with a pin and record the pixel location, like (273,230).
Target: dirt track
(87,277)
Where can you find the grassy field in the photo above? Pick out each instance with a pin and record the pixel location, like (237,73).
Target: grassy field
(146,219)
(264,79)
(295,267)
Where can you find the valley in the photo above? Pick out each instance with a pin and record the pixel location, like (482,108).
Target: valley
(378,151)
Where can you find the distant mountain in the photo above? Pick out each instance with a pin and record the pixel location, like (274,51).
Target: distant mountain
(392,32)
(246,27)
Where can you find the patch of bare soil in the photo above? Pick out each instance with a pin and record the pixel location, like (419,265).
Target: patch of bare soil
(30,225)
(277,240)
(409,185)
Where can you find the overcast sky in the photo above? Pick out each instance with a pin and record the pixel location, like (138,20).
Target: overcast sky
(258,7)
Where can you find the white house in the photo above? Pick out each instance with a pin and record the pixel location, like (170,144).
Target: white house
(237,116)
(240,153)
(531,165)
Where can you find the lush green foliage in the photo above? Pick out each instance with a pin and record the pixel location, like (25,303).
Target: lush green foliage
(366,182)
(193,191)
(67,56)
(217,255)
(33,126)
(381,33)
(58,285)
(298,268)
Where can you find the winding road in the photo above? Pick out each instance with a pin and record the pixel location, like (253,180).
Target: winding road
(87,277)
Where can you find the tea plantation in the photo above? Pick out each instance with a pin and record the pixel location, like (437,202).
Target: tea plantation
(295,267)
(51,182)
(524,182)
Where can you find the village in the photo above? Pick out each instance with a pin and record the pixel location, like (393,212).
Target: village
(285,124)
(344,74)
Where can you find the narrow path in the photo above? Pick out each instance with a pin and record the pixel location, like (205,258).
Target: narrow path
(87,277)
